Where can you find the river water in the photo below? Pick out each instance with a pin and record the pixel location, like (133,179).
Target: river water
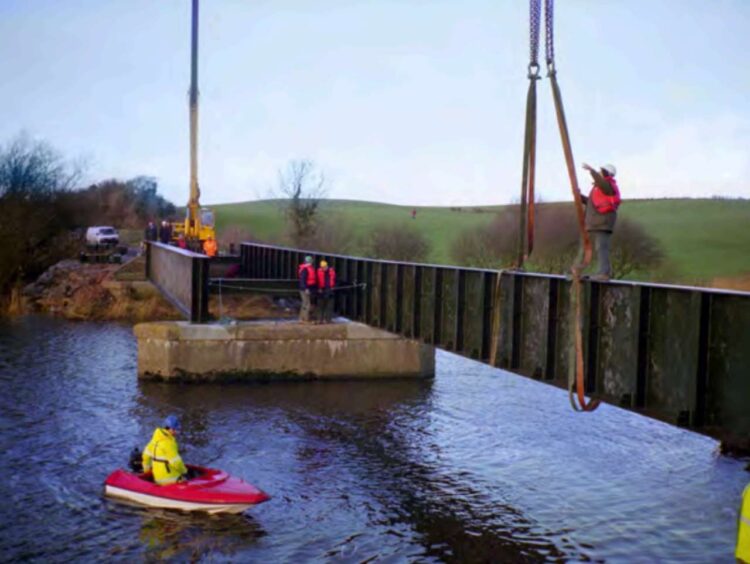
(475,465)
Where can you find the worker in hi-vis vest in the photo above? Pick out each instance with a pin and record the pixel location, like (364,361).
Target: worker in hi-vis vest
(742,553)
(600,217)
(308,281)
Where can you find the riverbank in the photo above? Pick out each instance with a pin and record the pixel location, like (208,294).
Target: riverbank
(79,291)
(109,292)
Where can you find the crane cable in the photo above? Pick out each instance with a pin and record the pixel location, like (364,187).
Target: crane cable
(527,211)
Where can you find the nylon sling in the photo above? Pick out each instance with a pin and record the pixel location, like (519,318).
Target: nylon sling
(576,374)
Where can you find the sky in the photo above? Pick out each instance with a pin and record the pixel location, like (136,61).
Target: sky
(407,102)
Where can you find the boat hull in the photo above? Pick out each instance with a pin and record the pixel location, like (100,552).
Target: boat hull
(165,503)
(212,491)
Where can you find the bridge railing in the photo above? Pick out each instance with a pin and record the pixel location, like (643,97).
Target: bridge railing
(182,276)
(677,353)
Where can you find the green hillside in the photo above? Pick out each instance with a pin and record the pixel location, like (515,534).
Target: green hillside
(702,239)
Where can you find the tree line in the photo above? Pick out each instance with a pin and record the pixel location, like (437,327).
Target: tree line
(302,187)
(43,210)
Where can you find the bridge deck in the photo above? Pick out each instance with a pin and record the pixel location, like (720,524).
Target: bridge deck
(677,353)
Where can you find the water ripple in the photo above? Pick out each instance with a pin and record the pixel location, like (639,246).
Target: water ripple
(477,465)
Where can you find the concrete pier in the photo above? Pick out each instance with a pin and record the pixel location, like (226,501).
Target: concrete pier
(277,350)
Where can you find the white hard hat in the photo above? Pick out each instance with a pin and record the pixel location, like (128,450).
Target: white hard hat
(609,169)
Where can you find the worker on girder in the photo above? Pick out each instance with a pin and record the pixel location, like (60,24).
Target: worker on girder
(601,215)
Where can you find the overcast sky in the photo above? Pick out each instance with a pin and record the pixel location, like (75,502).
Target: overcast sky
(409,102)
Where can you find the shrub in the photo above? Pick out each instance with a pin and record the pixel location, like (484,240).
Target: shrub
(633,249)
(556,243)
(332,234)
(396,241)
(488,246)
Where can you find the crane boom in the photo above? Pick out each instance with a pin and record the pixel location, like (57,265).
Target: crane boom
(193,215)
(199,222)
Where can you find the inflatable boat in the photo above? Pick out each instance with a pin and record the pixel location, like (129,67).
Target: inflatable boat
(210,490)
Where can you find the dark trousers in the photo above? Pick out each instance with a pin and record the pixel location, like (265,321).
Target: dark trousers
(601,243)
(325,307)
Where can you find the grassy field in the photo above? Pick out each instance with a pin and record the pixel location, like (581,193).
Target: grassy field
(702,239)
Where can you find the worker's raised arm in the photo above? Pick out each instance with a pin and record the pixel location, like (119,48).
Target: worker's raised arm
(599,180)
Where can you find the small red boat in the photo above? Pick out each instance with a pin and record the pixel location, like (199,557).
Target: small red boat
(211,490)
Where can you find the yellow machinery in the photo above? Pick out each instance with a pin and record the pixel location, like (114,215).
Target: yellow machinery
(199,222)
(195,235)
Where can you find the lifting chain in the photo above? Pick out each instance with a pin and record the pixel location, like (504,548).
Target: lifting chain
(549,7)
(535,16)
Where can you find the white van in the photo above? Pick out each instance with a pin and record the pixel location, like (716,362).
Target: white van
(102,235)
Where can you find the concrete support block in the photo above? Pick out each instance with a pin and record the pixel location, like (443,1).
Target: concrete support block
(277,350)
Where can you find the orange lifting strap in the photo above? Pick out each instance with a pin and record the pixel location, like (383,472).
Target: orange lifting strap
(527,211)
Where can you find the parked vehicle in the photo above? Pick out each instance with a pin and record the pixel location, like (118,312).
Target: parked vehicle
(102,235)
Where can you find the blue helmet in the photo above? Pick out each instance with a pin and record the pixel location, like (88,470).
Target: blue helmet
(172,422)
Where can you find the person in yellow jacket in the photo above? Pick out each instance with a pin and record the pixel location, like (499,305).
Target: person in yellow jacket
(162,456)
(742,553)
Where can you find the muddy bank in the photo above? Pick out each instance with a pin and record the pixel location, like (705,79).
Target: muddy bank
(80,291)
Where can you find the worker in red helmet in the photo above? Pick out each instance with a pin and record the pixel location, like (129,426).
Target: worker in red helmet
(326,285)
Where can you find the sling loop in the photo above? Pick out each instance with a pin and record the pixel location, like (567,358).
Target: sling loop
(575,368)
(575,365)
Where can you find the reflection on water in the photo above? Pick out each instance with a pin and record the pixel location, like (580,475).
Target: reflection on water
(477,465)
(170,534)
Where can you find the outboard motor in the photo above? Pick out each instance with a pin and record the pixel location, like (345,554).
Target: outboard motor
(136,462)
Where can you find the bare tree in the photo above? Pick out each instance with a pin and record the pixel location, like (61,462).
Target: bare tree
(31,169)
(302,186)
(33,176)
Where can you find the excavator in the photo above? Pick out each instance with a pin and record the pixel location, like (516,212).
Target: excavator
(199,222)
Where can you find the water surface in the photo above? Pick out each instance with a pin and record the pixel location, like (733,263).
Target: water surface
(475,465)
